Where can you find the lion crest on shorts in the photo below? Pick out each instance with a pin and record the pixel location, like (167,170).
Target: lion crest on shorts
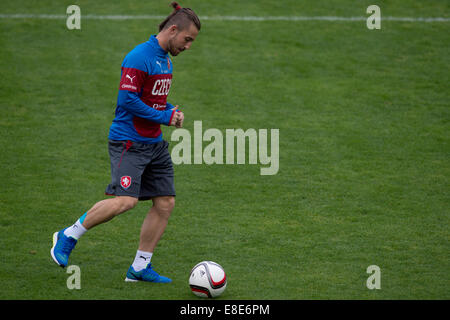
(125,182)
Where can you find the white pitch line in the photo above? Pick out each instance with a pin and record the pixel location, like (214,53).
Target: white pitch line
(223,18)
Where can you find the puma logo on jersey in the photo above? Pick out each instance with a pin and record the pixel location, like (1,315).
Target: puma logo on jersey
(160,66)
(131,78)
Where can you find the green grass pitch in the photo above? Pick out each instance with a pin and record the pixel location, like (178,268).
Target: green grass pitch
(363,117)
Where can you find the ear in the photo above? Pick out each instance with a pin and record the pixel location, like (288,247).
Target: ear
(173,29)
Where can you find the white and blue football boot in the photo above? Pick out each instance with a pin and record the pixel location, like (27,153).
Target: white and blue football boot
(62,247)
(147,274)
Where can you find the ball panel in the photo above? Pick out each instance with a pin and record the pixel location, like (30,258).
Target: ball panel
(199,277)
(217,275)
(200,291)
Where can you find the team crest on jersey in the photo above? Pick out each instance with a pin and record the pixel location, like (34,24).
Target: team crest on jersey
(125,182)
(168,63)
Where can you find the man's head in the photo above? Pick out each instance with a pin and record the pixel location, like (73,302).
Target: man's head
(178,30)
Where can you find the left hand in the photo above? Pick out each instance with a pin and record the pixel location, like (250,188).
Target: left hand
(179,123)
(179,116)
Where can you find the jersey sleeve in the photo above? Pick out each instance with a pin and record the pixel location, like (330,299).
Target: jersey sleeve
(131,102)
(134,72)
(169,106)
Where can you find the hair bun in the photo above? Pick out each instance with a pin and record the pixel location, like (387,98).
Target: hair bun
(175,5)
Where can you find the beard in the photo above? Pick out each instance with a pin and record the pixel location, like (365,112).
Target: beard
(172,48)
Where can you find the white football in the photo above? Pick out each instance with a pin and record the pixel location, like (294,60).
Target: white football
(207,279)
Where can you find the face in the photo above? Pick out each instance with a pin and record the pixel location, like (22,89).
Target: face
(181,40)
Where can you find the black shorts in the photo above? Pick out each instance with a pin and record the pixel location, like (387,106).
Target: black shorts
(140,170)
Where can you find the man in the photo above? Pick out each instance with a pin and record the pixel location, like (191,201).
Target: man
(141,167)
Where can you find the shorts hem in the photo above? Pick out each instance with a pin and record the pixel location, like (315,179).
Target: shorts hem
(140,198)
(145,198)
(121,195)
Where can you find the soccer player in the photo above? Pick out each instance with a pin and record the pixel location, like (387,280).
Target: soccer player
(141,166)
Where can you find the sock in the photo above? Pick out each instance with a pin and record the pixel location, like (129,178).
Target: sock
(76,230)
(141,260)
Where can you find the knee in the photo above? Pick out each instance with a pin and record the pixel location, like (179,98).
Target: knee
(125,203)
(164,205)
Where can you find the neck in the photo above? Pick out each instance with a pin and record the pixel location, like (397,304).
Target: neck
(162,40)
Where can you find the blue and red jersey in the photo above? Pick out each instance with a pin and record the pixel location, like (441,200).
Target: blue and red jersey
(142,101)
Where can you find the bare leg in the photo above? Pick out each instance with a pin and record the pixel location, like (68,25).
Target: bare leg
(155,222)
(107,209)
